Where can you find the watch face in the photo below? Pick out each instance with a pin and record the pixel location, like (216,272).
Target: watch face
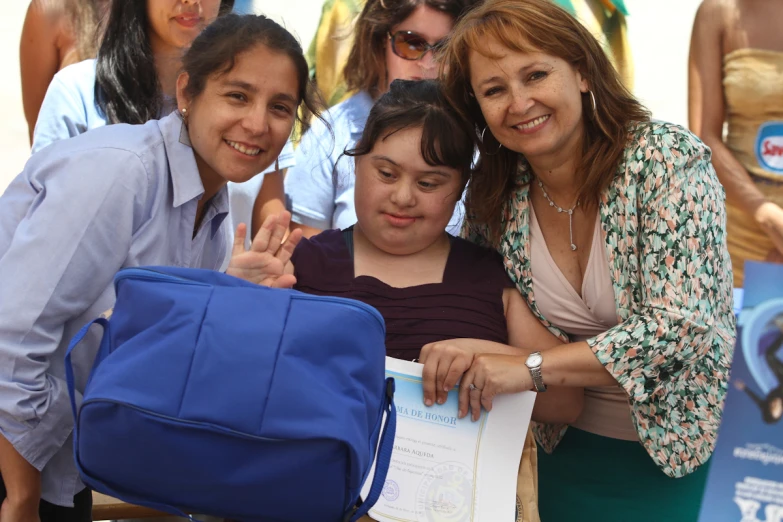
(534,360)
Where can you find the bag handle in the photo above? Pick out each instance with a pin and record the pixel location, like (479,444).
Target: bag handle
(384,456)
(69,379)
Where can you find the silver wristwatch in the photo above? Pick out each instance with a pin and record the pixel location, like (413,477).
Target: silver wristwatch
(533,364)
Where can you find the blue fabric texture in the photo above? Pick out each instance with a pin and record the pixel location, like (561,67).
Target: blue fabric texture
(218,396)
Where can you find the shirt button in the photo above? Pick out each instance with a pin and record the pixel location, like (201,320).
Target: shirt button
(650,383)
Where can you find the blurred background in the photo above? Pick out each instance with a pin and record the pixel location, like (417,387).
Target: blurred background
(659,33)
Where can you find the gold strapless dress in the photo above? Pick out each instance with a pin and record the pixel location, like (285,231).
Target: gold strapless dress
(753,85)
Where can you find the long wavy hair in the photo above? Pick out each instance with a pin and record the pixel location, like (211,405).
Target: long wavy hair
(365,69)
(127,87)
(537,26)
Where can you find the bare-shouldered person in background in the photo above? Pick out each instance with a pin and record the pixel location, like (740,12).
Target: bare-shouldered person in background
(56,33)
(736,77)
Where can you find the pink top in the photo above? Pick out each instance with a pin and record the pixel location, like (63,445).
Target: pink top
(606,409)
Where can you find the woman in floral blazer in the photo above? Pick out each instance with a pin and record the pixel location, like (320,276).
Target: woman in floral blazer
(613,228)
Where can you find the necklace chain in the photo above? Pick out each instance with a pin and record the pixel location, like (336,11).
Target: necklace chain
(569,211)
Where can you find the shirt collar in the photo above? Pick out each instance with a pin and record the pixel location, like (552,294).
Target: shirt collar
(357,110)
(185,178)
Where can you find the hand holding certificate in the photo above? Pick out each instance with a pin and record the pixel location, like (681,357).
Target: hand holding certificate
(449,469)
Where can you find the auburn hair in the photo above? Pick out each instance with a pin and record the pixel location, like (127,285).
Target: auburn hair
(537,26)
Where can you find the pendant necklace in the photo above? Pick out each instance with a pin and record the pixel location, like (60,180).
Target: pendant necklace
(569,211)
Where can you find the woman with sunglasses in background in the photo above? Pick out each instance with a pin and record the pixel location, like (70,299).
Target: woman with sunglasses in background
(394,40)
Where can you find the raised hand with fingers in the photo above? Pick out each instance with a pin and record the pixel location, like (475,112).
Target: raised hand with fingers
(268,261)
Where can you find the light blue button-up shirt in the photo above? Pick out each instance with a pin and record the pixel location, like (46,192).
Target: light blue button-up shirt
(320,187)
(69,109)
(82,209)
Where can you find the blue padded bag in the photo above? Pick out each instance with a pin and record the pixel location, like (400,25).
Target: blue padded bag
(213,395)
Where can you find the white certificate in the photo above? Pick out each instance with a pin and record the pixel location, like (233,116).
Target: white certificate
(446,469)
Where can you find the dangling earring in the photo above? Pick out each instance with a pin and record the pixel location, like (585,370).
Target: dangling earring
(184,113)
(277,166)
(482,141)
(595,113)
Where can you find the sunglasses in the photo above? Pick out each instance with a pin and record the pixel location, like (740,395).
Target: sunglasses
(411,46)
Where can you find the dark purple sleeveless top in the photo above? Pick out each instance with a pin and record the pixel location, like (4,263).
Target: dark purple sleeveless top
(468,303)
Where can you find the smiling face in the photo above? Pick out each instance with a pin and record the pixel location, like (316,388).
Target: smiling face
(532,102)
(240,122)
(403,204)
(176,23)
(430,24)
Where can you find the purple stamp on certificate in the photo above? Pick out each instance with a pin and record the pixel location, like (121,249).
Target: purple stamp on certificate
(391,491)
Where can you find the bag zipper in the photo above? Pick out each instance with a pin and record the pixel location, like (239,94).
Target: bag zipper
(346,302)
(178,420)
(153,275)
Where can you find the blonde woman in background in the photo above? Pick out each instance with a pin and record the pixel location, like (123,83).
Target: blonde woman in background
(56,33)
(736,78)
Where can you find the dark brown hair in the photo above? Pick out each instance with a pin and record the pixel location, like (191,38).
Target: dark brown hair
(538,25)
(445,138)
(127,87)
(365,69)
(214,51)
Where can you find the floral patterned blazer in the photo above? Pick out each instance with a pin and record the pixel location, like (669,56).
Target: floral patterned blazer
(664,225)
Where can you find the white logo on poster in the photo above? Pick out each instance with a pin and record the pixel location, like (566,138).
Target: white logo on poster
(753,493)
(764,453)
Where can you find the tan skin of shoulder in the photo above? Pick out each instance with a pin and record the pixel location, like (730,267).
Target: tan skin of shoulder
(47,45)
(720,27)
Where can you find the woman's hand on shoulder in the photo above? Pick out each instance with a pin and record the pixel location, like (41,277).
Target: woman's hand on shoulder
(446,361)
(268,261)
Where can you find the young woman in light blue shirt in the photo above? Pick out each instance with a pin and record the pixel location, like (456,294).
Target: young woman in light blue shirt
(393,41)
(133,81)
(122,196)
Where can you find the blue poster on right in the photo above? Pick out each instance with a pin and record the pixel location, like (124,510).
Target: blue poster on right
(745,482)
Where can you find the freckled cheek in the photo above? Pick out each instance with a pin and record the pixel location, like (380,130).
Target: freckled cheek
(493,115)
